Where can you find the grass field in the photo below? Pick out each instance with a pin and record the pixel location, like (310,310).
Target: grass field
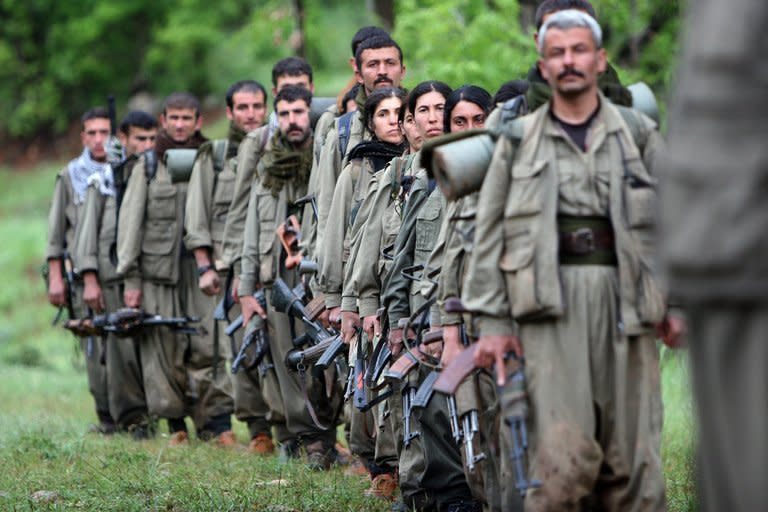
(50,462)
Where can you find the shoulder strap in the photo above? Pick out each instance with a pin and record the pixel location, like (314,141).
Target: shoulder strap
(636,126)
(514,108)
(150,164)
(219,154)
(344,128)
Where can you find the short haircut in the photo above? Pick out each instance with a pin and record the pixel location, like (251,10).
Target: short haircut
(550,6)
(374,43)
(376,97)
(351,94)
(138,119)
(292,66)
(244,86)
(93,113)
(471,93)
(509,90)
(366,33)
(425,88)
(182,100)
(291,93)
(572,18)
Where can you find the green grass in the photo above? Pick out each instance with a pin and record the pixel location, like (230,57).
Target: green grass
(45,410)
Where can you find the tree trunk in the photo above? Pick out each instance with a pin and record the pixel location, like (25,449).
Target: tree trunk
(527,16)
(634,34)
(385,10)
(298,37)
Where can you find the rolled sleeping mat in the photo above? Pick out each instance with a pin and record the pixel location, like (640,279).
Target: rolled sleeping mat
(179,163)
(319,105)
(644,100)
(459,161)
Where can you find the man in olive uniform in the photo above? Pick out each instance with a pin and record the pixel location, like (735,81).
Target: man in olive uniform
(162,278)
(380,64)
(94,254)
(561,275)
(283,174)
(211,188)
(714,225)
(68,199)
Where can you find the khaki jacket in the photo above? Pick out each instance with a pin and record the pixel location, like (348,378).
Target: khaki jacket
(96,233)
(248,156)
(348,197)
(260,263)
(62,217)
(377,225)
(209,197)
(514,270)
(417,239)
(150,224)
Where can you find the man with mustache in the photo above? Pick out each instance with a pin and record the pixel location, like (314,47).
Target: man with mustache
(63,217)
(379,63)
(561,275)
(282,177)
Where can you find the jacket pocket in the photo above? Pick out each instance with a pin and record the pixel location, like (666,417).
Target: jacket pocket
(518,265)
(222,199)
(525,195)
(427,229)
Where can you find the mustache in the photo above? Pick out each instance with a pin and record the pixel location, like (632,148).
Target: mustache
(295,127)
(382,79)
(570,71)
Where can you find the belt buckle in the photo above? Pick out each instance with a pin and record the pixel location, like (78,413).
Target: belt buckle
(583,240)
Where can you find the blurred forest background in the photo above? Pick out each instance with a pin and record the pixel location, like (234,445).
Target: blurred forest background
(58,58)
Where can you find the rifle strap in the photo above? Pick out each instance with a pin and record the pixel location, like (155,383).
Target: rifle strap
(305,395)
(215,348)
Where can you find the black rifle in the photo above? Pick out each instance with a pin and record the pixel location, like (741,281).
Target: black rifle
(128,322)
(254,348)
(289,302)
(515,406)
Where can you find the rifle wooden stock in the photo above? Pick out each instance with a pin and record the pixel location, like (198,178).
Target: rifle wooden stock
(432,337)
(308,357)
(454,305)
(404,364)
(315,307)
(463,365)
(82,327)
(289,234)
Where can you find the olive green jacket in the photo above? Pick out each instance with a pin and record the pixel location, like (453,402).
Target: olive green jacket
(96,233)
(209,197)
(150,225)
(62,217)
(514,270)
(417,239)
(260,263)
(378,224)
(248,156)
(329,168)
(348,197)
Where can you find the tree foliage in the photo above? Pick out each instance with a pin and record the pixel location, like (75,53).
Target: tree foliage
(58,58)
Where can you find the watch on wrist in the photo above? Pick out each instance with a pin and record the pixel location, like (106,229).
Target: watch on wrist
(202,270)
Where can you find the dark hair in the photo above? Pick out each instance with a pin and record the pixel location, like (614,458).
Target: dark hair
(292,66)
(366,33)
(291,93)
(425,88)
(471,93)
(351,94)
(139,119)
(374,43)
(376,97)
(550,6)
(244,86)
(509,90)
(181,100)
(93,113)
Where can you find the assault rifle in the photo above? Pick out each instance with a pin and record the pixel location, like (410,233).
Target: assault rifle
(128,322)
(255,343)
(68,274)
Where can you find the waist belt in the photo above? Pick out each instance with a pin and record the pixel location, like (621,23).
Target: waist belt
(586,241)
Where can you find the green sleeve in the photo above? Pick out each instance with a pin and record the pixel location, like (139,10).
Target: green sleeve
(57,218)
(197,213)
(250,261)
(86,251)
(331,273)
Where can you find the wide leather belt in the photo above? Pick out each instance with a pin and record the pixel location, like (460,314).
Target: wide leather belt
(586,241)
